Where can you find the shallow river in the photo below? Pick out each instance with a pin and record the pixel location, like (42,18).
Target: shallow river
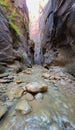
(56,111)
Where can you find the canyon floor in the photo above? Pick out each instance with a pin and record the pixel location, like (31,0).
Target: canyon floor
(37,99)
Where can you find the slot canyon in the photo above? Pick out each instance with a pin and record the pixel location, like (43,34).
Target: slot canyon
(37,64)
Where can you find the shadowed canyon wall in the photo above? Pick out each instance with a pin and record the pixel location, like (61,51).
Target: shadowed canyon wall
(50,29)
(47,32)
(14,32)
(58,31)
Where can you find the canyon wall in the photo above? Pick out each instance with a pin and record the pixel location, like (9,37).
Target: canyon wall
(14,32)
(58,31)
(46,31)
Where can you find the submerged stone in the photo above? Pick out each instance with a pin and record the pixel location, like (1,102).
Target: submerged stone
(29,97)
(23,107)
(3,111)
(19,92)
(39,96)
(46,75)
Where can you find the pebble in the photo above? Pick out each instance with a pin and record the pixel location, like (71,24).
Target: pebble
(46,75)
(18,82)
(54,78)
(27,71)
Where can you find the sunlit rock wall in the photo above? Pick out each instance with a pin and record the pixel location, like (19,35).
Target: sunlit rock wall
(35,8)
(21,4)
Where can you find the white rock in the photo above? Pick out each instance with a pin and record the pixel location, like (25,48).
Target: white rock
(46,75)
(39,96)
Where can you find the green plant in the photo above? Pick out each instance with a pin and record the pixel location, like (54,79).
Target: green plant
(11,15)
(4,3)
(14,27)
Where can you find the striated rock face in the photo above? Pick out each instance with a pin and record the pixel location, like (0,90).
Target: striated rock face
(23,23)
(58,31)
(14,46)
(7,53)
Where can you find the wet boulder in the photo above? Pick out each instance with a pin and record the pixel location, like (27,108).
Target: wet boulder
(36,87)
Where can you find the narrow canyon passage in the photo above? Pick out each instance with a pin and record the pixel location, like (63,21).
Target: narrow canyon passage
(35,9)
(37,96)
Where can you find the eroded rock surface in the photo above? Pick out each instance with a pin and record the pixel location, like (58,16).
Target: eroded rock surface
(14,46)
(57,35)
(7,53)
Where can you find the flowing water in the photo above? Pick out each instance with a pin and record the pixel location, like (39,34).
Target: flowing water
(56,111)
